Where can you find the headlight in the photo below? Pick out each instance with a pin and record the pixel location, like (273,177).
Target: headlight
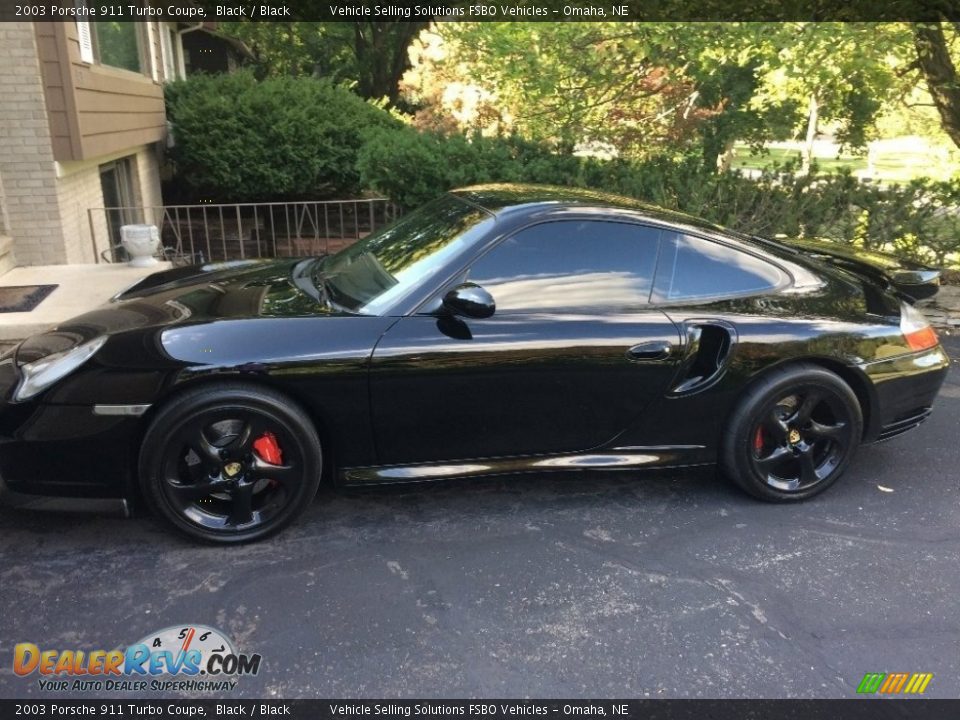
(41,374)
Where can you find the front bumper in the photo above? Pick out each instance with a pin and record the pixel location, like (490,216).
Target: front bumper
(67,457)
(903,390)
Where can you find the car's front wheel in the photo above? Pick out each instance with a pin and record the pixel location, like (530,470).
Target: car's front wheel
(230,463)
(793,434)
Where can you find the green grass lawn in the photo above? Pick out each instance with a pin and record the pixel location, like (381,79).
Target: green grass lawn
(887,167)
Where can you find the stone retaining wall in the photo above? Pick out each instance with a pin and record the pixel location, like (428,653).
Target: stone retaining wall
(944,312)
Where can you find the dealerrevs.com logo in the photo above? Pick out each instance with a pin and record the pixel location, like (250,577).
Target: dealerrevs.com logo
(192,658)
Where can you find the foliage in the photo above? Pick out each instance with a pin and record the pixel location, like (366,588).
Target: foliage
(918,219)
(845,67)
(412,167)
(638,86)
(373,55)
(297,49)
(568,83)
(937,57)
(670,99)
(239,139)
(633,86)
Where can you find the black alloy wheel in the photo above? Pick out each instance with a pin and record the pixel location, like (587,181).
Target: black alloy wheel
(230,463)
(793,435)
(802,438)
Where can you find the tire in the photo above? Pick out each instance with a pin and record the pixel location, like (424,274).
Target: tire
(230,463)
(793,434)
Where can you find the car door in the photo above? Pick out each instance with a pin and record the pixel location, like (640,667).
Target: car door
(569,359)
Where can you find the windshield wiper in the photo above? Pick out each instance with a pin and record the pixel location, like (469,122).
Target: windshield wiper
(308,278)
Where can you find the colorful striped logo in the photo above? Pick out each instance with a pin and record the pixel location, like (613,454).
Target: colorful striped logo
(894,683)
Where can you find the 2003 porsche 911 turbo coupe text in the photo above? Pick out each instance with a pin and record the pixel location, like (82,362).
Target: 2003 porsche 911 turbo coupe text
(499,329)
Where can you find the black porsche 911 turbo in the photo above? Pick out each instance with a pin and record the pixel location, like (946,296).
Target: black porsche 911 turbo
(499,329)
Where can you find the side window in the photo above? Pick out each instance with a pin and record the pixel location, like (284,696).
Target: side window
(586,265)
(120,45)
(692,268)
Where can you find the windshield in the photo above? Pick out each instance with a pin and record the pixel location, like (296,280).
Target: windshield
(374,273)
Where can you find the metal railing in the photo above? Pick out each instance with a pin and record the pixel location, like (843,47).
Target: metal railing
(212,232)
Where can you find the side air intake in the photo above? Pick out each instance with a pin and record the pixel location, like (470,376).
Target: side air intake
(708,348)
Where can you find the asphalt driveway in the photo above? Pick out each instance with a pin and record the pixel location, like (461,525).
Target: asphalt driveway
(595,586)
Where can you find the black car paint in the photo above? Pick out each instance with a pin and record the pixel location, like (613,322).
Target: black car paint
(418,394)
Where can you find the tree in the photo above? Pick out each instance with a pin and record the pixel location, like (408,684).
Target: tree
(572,83)
(641,87)
(935,61)
(380,49)
(372,55)
(838,72)
(296,49)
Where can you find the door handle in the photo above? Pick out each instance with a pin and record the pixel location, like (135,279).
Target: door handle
(655,350)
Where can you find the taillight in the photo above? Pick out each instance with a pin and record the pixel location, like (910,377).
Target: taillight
(915,328)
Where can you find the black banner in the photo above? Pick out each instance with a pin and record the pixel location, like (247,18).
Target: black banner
(480,10)
(119,709)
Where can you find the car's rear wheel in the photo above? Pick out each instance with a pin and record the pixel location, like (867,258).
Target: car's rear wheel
(793,434)
(230,463)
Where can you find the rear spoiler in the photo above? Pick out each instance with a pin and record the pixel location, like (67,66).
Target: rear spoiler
(912,280)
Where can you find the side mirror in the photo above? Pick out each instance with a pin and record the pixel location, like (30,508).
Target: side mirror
(469,300)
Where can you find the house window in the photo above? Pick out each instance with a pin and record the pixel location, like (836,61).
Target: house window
(116,182)
(119,45)
(171,48)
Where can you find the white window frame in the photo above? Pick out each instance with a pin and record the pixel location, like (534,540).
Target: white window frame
(171,50)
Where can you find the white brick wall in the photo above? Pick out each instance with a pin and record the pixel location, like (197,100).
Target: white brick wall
(26,157)
(7,258)
(148,171)
(79,190)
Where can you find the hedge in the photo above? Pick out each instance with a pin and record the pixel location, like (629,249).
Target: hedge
(920,219)
(237,140)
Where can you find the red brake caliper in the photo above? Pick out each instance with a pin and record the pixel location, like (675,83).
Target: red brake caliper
(268,449)
(758,441)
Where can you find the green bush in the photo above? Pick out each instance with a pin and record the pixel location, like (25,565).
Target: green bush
(919,220)
(237,139)
(412,167)
(288,138)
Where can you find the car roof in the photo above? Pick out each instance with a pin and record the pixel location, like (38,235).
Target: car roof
(500,198)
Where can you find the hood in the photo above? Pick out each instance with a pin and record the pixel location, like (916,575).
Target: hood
(199,293)
(906,277)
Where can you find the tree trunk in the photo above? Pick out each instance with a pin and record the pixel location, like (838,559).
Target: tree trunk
(725,158)
(933,55)
(381,52)
(813,120)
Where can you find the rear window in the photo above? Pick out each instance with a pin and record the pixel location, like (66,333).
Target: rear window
(692,268)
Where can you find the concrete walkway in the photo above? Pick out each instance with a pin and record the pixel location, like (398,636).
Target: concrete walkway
(81,288)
